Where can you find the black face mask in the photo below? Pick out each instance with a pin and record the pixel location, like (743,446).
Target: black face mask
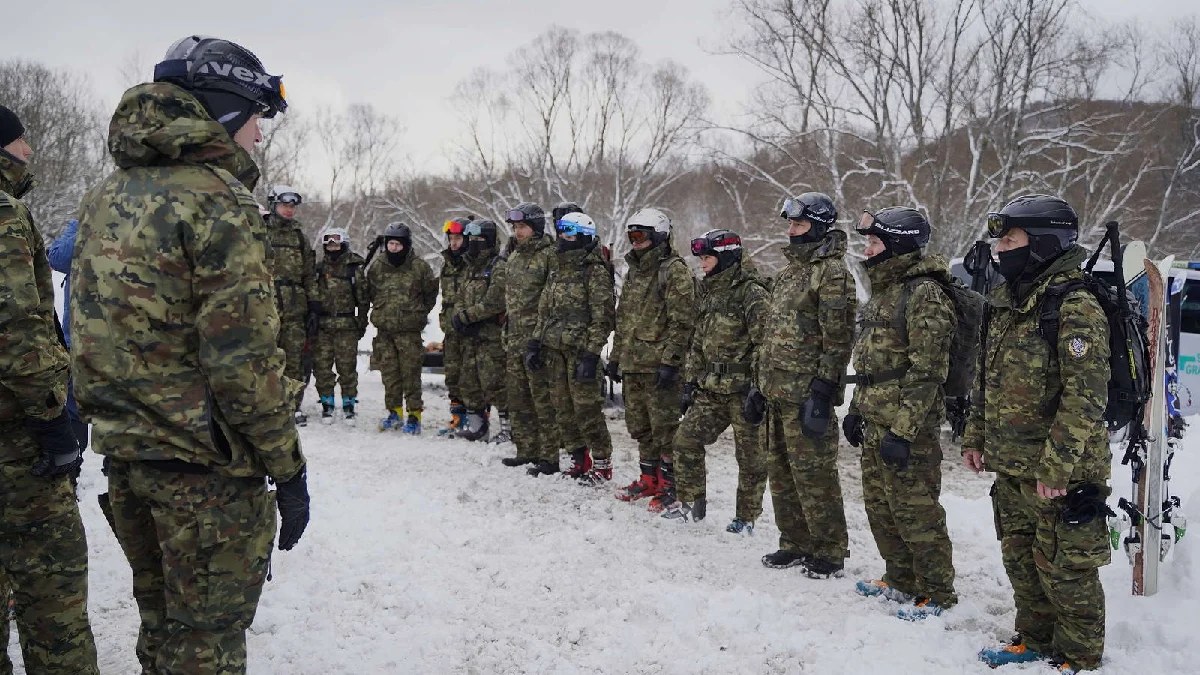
(806,238)
(883,256)
(477,247)
(334,255)
(1013,263)
(565,245)
(397,259)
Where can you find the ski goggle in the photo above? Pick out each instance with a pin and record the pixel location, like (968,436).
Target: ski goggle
(332,238)
(710,246)
(289,198)
(869,224)
(473,230)
(266,92)
(637,236)
(515,216)
(452,227)
(572,228)
(998,224)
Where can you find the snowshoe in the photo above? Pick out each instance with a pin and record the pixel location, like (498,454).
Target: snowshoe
(391,422)
(348,410)
(684,512)
(505,434)
(600,474)
(1007,654)
(475,427)
(458,414)
(301,419)
(870,588)
(581,464)
(816,568)
(783,559)
(922,609)
(542,468)
(645,486)
(326,410)
(412,425)
(740,527)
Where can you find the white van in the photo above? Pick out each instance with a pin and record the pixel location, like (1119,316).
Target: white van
(1187,274)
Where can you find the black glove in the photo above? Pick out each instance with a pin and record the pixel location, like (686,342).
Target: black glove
(754,410)
(60,449)
(461,326)
(313,322)
(666,377)
(894,451)
(852,428)
(585,370)
(533,355)
(292,500)
(817,409)
(613,371)
(688,396)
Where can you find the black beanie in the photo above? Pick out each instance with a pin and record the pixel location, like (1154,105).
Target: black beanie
(10,127)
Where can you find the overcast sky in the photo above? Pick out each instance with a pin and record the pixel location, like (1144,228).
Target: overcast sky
(403,56)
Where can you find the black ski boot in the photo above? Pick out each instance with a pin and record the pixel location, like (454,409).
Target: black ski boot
(783,559)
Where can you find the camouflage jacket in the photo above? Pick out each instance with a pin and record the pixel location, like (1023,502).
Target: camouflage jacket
(345,291)
(33,362)
(729,330)
(172,314)
(810,326)
(913,402)
(525,276)
(482,299)
(451,280)
(401,296)
(1038,419)
(657,311)
(577,309)
(293,265)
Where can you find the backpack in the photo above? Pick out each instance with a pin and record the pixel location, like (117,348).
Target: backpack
(969,308)
(1129,387)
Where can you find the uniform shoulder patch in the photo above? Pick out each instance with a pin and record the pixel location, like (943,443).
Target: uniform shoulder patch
(244,197)
(6,202)
(1078,347)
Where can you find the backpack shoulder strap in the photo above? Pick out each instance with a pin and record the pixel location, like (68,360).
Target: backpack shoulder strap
(900,314)
(1050,308)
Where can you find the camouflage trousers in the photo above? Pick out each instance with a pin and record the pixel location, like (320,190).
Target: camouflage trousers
(398,357)
(1054,571)
(481,380)
(452,360)
(578,406)
(907,520)
(805,488)
(534,430)
(710,415)
(337,348)
(292,338)
(651,414)
(199,546)
(43,565)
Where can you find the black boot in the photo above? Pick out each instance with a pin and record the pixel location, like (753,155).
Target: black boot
(517,461)
(542,468)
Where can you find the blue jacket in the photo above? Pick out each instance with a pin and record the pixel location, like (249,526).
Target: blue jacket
(60,254)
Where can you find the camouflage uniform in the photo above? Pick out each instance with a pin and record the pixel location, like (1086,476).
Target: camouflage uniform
(810,332)
(576,313)
(481,380)
(654,326)
(43,550)
(451,281)
(534,430)
(293,265)
(175,362)
(906,517)
(729,330)
(401,298)
(346,299)
(1041,421)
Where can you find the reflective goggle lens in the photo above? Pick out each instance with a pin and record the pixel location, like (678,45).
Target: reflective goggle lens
(699,246)
(638,236)
(333,238)
(452,227)
(567,227)
(996,224)
(289,198)
(473,230)
(515,216)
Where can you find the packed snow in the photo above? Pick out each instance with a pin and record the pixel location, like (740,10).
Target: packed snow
(427,555)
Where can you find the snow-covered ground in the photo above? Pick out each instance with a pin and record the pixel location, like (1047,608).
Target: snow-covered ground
(429,556)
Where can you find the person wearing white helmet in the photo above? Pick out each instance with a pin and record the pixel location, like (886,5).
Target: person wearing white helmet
(655,318)
(342,278)
(293,265)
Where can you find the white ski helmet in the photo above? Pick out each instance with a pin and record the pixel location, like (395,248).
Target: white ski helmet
(336,235)
(650,220)
(285,194)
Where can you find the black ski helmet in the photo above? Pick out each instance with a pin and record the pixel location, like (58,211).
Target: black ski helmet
(815,207)
(228,79)
(900,228)
(398,231)
(724,245)
(564,208)
(482,228)
(529,213)
(1050,222)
